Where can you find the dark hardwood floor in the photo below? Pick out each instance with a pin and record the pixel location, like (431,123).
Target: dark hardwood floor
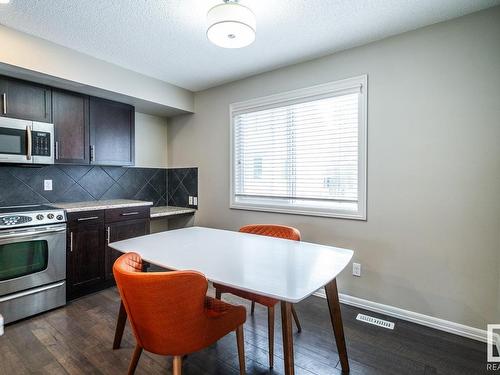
(77,339)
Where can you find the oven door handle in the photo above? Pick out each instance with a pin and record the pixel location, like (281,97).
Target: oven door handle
(30,291)
(31,233)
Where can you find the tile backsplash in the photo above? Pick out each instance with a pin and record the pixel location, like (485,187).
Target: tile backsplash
(182,183)
(73,183)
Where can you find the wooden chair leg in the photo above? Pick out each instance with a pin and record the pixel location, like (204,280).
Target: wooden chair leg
(177,365)
(296,318)
(134,360)
(217,294)
(270,334)
(252,309)
(120,326)
(241,349)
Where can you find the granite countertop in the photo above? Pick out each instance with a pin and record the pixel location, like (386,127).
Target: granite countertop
(164,211)
(101,205)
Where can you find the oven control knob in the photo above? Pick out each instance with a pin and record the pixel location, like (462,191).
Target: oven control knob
(50,216)
(39,217)
(59,217)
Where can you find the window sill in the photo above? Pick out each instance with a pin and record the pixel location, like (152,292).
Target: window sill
(299,211)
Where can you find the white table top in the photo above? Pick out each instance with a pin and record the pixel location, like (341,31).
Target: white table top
(286,270)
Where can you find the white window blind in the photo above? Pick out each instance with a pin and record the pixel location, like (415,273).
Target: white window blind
(300,155)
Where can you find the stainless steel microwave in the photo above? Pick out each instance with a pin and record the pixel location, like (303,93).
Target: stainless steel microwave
(26,142)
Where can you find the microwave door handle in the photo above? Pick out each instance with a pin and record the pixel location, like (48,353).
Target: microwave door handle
(30,142)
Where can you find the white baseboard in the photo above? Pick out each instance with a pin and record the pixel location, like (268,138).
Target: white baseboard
(414,317)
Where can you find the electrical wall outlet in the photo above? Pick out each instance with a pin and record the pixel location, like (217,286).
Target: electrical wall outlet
(195,201)
(190,200)
(356,269)
(47,185)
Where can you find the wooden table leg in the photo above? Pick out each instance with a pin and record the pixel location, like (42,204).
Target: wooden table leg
(270,334)
(332,296)
(120,326)
(286,324)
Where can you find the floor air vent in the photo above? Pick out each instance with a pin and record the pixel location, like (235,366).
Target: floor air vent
(375,321)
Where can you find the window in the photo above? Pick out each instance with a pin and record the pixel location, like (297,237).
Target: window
(302,152)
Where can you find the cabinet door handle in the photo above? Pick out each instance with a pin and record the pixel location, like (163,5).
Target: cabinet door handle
(57,150)
(87,218)
(92,152)
(46,103)
(71,241)
(130,213)
(108,231)
(4,99)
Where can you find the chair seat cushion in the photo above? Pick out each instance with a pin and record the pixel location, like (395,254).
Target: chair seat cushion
(215,308)
(266,301)
(223,318)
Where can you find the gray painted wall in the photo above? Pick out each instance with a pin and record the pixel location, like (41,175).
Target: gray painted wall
(150,141)
(431,243)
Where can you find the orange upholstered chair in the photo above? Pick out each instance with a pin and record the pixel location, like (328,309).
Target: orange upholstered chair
(271,230)
(170,313)
(135,264)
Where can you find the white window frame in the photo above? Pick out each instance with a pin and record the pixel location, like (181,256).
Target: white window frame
(315,92)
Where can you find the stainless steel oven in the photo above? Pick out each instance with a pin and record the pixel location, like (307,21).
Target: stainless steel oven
(27,142)
(32,263)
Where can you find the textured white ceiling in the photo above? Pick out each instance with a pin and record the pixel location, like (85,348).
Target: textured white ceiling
(166,39)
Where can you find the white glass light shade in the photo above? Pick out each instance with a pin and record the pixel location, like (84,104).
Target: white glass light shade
(231,25)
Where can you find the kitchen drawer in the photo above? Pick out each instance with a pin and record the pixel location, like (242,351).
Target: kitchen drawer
(127,213)
(85,217)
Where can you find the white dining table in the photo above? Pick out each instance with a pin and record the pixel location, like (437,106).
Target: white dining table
(286,270)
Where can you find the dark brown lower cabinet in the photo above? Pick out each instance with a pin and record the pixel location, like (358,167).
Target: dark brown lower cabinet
(119,231)
(90,261)
(85,260)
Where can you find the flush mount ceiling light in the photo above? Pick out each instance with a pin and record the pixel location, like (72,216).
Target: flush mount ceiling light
(231,25)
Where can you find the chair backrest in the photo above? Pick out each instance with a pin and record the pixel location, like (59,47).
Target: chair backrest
(165,309)
(272,230)
(132,263)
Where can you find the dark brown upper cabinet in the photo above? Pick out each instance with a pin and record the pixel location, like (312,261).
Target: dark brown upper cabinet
(25,100)
(111,132)
(70,113)
(86,129)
